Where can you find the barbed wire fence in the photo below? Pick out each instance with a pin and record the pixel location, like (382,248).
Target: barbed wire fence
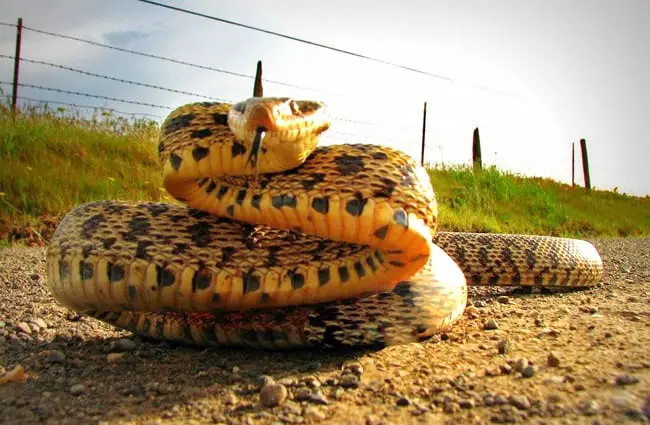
(339,135)
(334,134)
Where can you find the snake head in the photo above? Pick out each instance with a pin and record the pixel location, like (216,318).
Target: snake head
(277,132)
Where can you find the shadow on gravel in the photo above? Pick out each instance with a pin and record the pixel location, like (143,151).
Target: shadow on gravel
(80,381)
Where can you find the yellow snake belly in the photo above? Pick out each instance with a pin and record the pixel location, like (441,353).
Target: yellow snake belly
(284,244)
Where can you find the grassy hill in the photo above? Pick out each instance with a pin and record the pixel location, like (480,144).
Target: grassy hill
(52,160)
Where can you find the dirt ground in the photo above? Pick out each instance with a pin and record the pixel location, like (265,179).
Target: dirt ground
(570,357)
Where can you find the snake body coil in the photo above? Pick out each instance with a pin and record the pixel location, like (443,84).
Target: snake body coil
(286,244)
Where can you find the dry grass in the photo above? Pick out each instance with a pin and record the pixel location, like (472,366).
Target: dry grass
(53,159)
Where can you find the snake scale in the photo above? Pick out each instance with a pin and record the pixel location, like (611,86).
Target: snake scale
(281,243)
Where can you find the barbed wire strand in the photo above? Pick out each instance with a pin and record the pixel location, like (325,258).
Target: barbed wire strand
(190,64)
(152,105)
(121,80)
(137,83)
(334,49)
(345,135)
(76,105)
(374,124)
(353,121)
(164,58)
(97,96)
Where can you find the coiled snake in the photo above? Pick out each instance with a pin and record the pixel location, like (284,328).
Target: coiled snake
(285,244)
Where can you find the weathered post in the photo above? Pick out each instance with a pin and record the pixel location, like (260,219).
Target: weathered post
(258,90)
(476,151)
(424,131)
(585,164)
(19,36)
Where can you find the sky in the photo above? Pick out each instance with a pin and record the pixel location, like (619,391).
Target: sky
(533,76)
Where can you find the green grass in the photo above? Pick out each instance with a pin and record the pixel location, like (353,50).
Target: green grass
(53,160)
(495,201)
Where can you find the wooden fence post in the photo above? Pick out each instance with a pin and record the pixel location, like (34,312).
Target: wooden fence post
(258,90)
(19,36)
(585,164)
(476,151)
(424,130)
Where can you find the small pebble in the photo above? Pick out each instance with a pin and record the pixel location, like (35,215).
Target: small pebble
(354,368)
(114,357)
(503,346)
(311,382)
(579,387)
(553,360)
(521,402)
(39,322)
(529,371)
(503,299)
(556,380)
(331,381)
(505,369)
(373,420)
(52,356)
(626,380)
(302,394)
(490,325)
(317,397)
(350,381)
(403,401)
(467,404)
(500,399)
(123,345)
(289,382)
(263,380)
(492,371)
(472,312)
(590,407)
(625,401)
(521,363)
(273,394)
(77,389)
(24,328)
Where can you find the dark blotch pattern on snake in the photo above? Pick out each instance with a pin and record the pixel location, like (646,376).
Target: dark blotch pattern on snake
(285,244)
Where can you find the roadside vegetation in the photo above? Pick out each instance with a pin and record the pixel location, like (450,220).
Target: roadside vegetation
(54,159)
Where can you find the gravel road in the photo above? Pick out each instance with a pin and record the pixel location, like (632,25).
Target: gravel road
(577,357)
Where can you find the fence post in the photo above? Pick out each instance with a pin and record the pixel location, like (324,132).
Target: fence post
(258,90)
(424,131)
(585,164)
(19,36)
(476,151)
